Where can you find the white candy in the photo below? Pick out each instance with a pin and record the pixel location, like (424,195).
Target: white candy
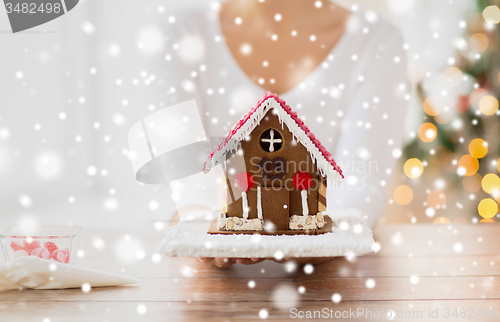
(20,253)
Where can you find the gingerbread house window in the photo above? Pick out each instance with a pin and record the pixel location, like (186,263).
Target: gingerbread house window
(271,140)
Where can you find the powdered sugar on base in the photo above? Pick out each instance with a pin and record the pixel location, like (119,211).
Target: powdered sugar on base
(350,236)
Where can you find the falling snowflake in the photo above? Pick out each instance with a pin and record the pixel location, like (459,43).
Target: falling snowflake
(285,296)
(370,283)
(25,201)
(88,28)
(458,247)
(150,40)
(336,298)
(308,269)
(142,309)
(263,314)
(86,287)
(48,165)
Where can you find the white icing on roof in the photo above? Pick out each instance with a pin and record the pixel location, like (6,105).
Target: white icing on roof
(323,159)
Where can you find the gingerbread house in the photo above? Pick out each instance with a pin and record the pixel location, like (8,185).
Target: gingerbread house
(275,171)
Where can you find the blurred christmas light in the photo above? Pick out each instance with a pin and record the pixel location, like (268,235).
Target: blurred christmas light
(403,195)
(413,168)
(462,103)
(427,132)
(444,117)
(432,106)
(469,163)
(436,199)
(496,196)
(452,76)
(488,105)
(478,148)
(491,14)
(487,208)
(479,42)
(491,183)
(472,183)
(476,95)
(441,220)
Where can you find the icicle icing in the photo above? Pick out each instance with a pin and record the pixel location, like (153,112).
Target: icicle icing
(305,207)
(259,203)
(244,204)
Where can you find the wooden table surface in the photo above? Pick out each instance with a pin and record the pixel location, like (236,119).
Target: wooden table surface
(420,268)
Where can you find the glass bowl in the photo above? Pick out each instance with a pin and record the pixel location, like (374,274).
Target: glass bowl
(54,242)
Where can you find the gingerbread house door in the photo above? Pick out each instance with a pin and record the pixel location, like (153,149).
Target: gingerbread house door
(275,204)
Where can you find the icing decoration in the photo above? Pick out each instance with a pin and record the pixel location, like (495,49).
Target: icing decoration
(244,202)
(272,140)
(302,181)
(305,208)
(244,181)
(259,203)
(323,159)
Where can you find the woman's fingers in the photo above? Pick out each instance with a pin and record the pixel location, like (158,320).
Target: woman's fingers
(304,260)
(249,261)
(224,262)
(219,261)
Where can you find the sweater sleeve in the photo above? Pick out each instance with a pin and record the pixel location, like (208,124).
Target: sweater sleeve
(185,55)
(371,136)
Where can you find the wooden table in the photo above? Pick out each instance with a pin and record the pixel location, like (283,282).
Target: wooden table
(420,268)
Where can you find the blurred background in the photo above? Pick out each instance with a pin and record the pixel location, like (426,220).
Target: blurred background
(71,89)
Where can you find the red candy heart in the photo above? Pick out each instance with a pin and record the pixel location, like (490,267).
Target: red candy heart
(302,180)
(61,255)
(29,246)
(16,246)
(244,181)
(41,252)
(50,246)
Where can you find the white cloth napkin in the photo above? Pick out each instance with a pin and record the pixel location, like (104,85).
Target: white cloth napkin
(36,273)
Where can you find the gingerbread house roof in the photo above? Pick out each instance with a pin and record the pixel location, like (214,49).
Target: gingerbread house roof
(324,160)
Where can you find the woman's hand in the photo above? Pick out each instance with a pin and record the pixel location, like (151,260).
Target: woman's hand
(226,262)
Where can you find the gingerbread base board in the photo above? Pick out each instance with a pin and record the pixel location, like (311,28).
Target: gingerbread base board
(190,239)
(327,228)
